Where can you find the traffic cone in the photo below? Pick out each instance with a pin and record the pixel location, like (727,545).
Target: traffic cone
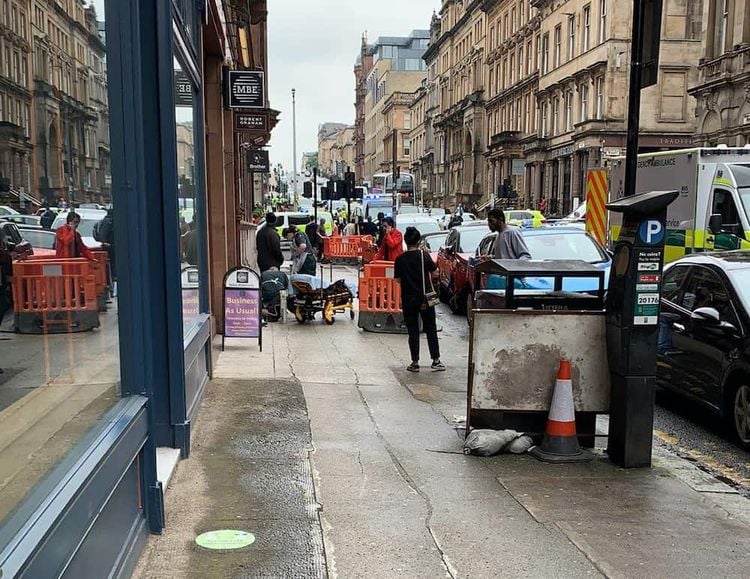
(560,443)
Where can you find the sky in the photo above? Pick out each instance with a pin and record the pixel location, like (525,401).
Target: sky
(313,47)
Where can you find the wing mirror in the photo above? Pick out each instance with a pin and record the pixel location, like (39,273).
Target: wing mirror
(715,223)
(707,315)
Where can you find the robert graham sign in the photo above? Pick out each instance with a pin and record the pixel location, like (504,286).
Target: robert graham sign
(246,89)
(250,122)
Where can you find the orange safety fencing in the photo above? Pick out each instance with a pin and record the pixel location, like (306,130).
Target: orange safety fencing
(379,295)
(56,291)
(379,269)
(100,269)
(346,248)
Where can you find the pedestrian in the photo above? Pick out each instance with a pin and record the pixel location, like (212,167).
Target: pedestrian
(381,229)
(268,243)
(460,210)
(311,230)
(413,270)
(350,229)
(509,243)
(68,242)
(184,227)
(321,233)
(107,239)
(369,228)
(191,242)
(393,242)
(303,260)
(360,225)
(47,218)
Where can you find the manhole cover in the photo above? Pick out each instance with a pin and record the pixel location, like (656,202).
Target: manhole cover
(225,540)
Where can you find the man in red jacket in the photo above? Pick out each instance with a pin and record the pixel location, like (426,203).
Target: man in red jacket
(68,242)
(393,242)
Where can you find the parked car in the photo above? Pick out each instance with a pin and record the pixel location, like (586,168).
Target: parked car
(704,335)
(453,263)
(89,218)
(525,218)
(22,219)
(13,241)
(5,210)
(424,223)
(42,240)
(544,243)
(432,242)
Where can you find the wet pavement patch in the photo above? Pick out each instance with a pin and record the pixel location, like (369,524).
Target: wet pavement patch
(261,481)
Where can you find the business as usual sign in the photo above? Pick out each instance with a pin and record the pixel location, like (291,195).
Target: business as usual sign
(246,89)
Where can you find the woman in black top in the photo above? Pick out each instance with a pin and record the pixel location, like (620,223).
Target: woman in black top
(412,269)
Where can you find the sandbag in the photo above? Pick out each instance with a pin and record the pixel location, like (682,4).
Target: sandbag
(490,442)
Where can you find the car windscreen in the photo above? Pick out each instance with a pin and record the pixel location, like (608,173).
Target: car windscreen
(741,281)
(408,210)
(745,197)
(470,238)
(434,242)
(424,227)
(564,246)
(299,219)
(39,239)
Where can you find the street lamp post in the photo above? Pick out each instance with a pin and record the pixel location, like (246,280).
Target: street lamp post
(294,142)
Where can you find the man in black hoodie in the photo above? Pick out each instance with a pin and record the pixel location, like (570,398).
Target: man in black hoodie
(269,245)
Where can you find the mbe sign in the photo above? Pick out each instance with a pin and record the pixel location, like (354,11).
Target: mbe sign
(246,89)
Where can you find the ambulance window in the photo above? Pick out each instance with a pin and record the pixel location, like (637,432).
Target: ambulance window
(724,205)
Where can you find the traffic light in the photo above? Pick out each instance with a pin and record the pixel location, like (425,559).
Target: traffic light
(307,190)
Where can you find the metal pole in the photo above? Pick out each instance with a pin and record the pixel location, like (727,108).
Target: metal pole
(294,143)
(634,100)
(393,170)
(315,194)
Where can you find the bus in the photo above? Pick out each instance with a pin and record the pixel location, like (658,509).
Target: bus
(382,184)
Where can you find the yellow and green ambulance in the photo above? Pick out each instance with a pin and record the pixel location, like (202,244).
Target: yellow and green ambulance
(712,212)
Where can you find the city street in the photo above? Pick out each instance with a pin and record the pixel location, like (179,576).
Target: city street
(342,464)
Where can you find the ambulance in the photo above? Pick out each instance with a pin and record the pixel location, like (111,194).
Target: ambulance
(713,209)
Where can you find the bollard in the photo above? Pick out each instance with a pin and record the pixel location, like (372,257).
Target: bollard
(283,296)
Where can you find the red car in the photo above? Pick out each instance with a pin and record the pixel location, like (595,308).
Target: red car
(453,263)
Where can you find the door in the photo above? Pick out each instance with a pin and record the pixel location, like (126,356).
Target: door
(731,233)
(445,259)
(702,346)
(672,326)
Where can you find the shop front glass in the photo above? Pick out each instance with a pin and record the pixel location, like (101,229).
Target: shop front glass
(59,336)
(187,195)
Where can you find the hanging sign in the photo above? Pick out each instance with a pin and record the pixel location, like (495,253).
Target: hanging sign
(246,89)
(242,305)
(258,161)
(251,122)
(183,89)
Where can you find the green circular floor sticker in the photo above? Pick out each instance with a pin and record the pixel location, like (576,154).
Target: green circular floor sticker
(225,540)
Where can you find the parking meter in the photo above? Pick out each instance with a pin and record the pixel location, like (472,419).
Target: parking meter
(632,308)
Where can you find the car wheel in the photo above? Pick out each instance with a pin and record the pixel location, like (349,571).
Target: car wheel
(740,416)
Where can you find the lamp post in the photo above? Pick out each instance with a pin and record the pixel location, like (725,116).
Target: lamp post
(294,142)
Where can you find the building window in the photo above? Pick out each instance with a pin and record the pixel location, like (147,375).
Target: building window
(586,28)
(568,111)
(407,121)
(721,17)
(673,95)
(603,20)
(512,70)
(693,19)
(555,116)
(545,54)
(600,98)
(529,58)
(527,114)
(571,37)
(584,91)
(407,146)
(521,12)
(558,46)
(520,62)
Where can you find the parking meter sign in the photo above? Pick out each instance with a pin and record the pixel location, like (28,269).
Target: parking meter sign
(651,232)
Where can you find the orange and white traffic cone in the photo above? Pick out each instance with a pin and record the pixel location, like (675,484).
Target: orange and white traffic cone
(560,443)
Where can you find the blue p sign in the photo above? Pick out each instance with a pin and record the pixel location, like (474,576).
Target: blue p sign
(651,232)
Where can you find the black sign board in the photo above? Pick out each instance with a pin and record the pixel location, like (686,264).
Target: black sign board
(652,10)
(258,161)
(251,122)
(246,89)
(183,89)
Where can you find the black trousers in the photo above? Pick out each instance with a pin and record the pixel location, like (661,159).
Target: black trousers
(429,323)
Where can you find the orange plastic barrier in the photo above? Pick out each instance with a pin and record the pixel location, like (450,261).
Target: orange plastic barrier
(343,248)
(99,269)
(379,295)
(59,292)
(368,249)
(379,269)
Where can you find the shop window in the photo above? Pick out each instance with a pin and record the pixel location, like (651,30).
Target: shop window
(60,363)
(187,192)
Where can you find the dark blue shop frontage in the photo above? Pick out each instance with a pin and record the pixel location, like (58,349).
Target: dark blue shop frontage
(106,400)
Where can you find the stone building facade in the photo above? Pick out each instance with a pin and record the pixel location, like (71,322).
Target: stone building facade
(457,56)
(420,141)
(723,85)
(336,149)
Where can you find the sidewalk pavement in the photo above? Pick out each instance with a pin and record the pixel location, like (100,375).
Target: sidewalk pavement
(344,465)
